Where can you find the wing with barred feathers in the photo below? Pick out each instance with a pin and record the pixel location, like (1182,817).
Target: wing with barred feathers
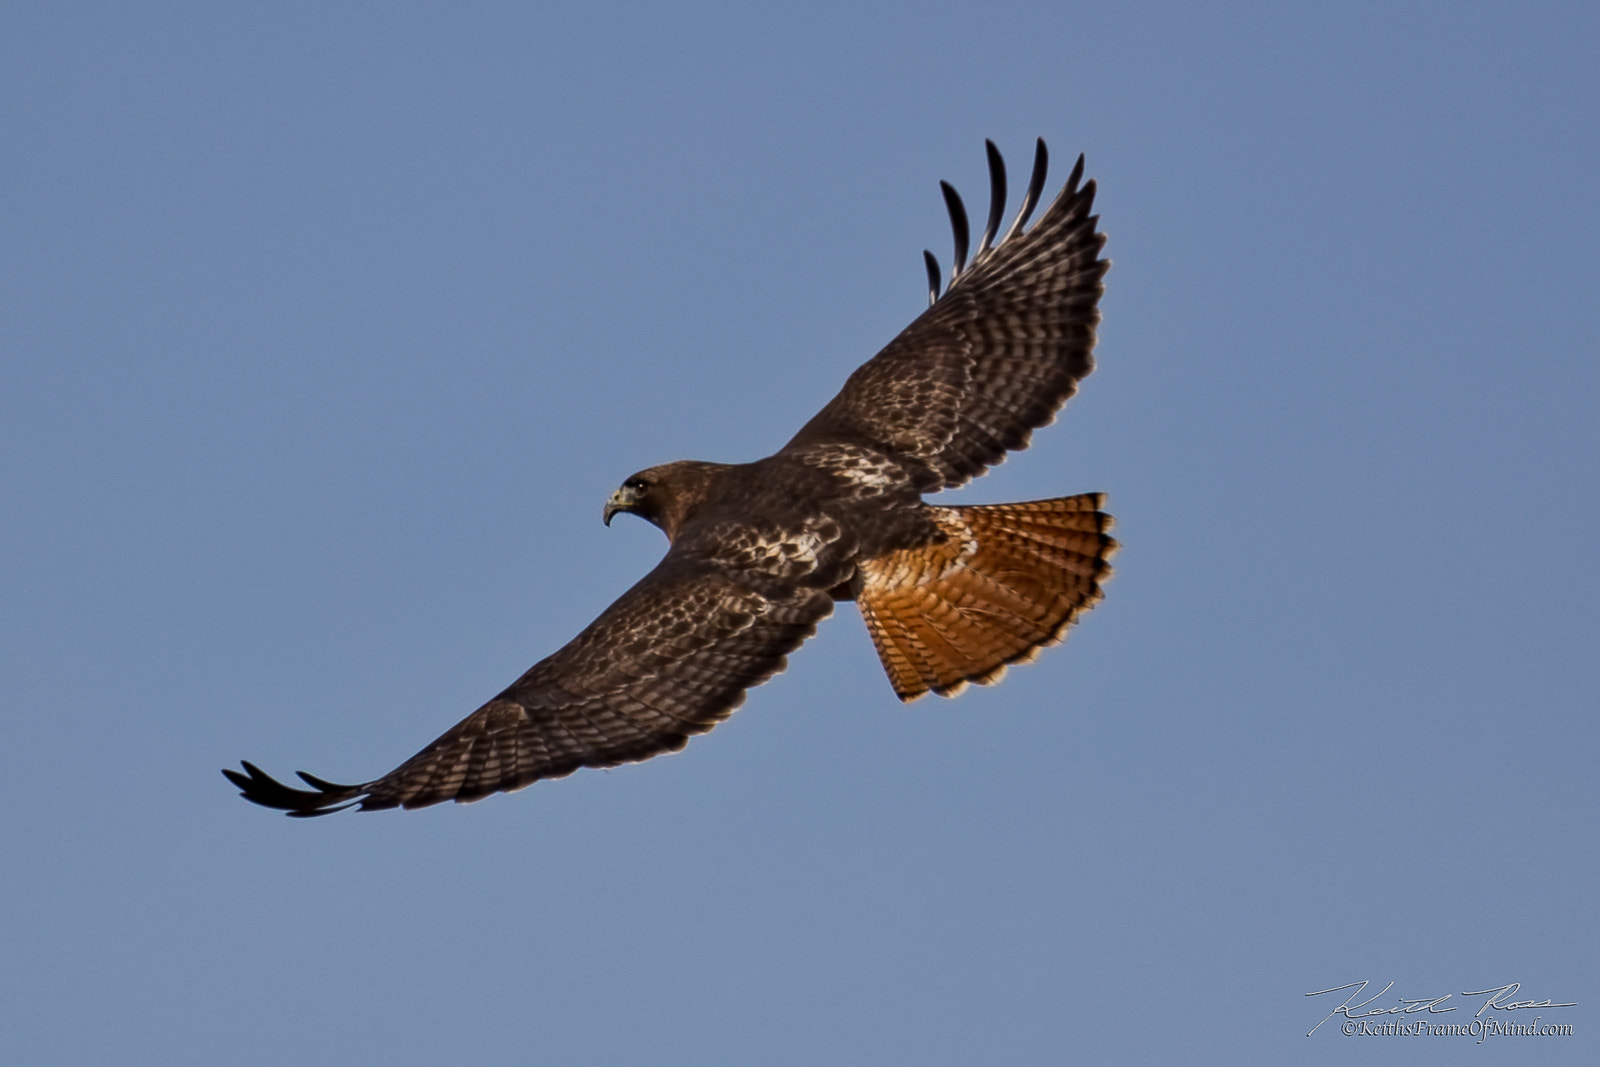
(670,659)
(997,355)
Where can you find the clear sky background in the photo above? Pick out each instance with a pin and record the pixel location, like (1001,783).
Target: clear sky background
(327,329)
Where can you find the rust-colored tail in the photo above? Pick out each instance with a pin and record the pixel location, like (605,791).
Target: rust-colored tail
(1007,581)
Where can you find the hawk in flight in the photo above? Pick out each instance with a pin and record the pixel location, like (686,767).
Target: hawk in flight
(761,551)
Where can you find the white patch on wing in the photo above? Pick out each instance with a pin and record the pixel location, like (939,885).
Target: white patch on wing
(879,476)
(870,473)
(785,553)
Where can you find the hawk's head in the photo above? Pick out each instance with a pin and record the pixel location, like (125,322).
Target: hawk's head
(668,495)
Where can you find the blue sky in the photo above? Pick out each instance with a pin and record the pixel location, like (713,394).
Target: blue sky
(326,330)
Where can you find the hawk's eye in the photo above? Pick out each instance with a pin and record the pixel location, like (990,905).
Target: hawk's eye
(638,485)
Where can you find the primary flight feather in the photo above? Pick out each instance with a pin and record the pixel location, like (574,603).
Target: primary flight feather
(761,551)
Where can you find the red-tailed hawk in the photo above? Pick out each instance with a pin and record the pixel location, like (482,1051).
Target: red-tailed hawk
(761,551)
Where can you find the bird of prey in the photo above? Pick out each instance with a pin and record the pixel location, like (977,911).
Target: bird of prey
(760,552)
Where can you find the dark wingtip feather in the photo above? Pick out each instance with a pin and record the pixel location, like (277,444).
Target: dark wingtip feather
(1041,169)
(325,786)
(997,196)
(320,811)
(958,226)
(932,264)
(259,787)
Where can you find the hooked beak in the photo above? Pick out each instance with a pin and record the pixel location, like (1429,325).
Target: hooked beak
(623,499)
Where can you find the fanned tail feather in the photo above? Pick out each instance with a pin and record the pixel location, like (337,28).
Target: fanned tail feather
(1007,581)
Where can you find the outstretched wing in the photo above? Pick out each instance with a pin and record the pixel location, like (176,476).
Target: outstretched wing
(994,357)
(670,659)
